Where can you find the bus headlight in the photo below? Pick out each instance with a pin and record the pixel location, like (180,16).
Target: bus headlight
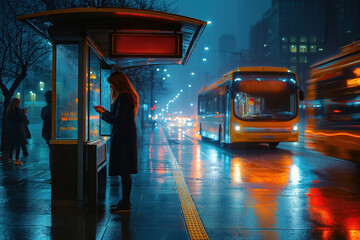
(237,127)
(295,127)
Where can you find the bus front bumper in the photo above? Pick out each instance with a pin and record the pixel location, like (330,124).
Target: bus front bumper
(265,137)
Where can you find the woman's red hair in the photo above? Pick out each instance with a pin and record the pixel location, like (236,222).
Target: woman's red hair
(122,84)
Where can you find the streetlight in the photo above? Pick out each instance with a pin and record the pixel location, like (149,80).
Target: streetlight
(193,73)
(206,48)
(209,22)
(189,85)
(41,85)
(204,59)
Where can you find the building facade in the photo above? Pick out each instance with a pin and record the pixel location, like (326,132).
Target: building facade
(298,33)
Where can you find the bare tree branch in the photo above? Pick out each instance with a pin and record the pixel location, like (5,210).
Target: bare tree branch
(20,48)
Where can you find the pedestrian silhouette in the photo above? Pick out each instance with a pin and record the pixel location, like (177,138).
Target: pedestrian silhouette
(15,133)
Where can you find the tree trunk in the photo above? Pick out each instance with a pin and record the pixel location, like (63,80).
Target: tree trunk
(4,143)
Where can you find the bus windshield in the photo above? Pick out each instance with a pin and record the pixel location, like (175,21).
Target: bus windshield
(265,96)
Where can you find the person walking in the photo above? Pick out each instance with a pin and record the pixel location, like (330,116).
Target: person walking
(123,148)
(15,120)
(46,128)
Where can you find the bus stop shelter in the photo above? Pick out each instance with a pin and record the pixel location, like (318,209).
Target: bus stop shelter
(87,43)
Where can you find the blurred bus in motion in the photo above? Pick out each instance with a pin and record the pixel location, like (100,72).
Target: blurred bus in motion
(251,104)
(333,105)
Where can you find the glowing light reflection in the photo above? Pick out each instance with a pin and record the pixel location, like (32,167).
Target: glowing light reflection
(295,176)
(236,171)
(332,134)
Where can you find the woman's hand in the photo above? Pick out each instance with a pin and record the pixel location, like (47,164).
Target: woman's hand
(99,109)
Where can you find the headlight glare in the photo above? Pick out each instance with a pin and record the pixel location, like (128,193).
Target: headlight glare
(295,127)
(237,127)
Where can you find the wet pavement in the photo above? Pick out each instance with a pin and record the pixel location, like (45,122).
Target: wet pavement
(27,211)
(255,192)
(247,192)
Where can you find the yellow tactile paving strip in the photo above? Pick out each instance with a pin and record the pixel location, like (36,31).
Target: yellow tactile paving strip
(192,219)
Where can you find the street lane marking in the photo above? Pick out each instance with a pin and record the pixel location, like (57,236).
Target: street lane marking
(192,218)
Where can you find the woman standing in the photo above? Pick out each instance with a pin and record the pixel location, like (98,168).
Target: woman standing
(123,148)
(15,132)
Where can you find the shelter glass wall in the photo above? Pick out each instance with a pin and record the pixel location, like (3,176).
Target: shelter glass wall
(66,102)
(105,99)
(93,94)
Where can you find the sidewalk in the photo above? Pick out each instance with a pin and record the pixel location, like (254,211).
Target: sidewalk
(27,211)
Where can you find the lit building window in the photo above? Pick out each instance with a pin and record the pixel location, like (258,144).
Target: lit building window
(293,48)
(313,38)
(303,48)
(313,48)
(285,48)
(284,39)
(293,59)
(293,39)
(303,59)
(303,39)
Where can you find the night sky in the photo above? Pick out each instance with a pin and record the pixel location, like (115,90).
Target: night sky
(230,18)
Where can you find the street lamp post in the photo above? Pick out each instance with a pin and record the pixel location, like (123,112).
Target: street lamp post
(151,97)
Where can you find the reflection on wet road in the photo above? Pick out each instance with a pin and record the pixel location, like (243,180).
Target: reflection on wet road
(255,192)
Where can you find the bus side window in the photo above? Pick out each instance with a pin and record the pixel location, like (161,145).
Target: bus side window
(216,107)
(220,98)
(199,104)
(211,102)
(224,103)
(208,104)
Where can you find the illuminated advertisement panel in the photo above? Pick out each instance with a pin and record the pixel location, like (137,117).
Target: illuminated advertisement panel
(146,45)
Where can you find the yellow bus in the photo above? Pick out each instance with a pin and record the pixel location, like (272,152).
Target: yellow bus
(251,104)
(333,105)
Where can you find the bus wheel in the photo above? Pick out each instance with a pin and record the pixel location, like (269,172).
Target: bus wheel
(273,144)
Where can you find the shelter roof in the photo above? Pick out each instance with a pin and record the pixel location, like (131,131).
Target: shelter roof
(98,24)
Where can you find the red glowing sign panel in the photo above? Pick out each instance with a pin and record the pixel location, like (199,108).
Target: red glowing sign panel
(146,45)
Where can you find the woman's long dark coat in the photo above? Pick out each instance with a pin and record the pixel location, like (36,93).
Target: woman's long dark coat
(123,148)
(15,124)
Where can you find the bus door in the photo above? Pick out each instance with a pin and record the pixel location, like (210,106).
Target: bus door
(227,113)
